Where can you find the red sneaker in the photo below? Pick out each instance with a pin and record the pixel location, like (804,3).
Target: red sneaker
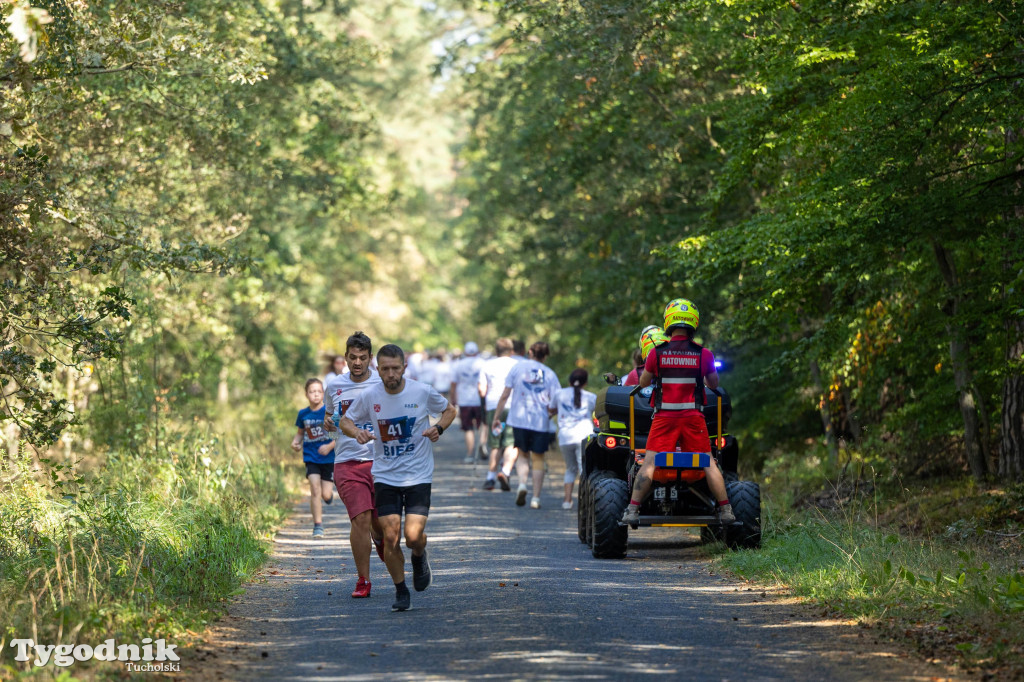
(362,589)
(379,546)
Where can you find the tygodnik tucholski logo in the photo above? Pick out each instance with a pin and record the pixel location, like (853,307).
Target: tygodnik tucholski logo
(149,656)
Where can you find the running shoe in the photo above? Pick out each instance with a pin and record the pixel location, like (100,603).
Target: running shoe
(402,599)
(318,530)
(468,460)
(362,589)
(567,505)
(535,503)
(489,484)
(503,481)
(421,577)
(379,546)
(521,495)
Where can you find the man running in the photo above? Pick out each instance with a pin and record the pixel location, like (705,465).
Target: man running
(464,394)
(490,386)
(403,463)
(353,461)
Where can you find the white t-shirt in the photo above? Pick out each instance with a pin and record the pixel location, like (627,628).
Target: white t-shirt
(340,394)
(575,423)
(534,388)
(402,455)
(492,375)
(443,377)
(466,375)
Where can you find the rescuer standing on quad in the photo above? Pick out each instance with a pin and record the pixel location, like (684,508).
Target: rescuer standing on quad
(679,370)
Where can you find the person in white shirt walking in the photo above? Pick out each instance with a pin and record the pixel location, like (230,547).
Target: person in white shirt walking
(491,384)
(464,393)
(403,463)
(534,389)
(575,423)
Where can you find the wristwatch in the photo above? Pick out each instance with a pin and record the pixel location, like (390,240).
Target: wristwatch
(440,429)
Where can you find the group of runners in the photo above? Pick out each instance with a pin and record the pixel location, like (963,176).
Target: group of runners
(369,433)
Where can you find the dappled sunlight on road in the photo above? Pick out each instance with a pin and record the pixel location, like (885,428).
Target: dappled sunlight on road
(517,596)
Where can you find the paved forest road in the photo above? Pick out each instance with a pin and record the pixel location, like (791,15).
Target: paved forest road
(517,596)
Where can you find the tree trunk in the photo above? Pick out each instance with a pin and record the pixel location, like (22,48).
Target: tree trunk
(1011,443)
(826,414)
(962,375)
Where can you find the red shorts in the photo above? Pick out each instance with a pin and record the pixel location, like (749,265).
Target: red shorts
(355,486)
(687,433)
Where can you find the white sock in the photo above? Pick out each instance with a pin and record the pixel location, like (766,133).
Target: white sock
(492,475)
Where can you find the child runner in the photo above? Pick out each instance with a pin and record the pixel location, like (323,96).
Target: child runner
(317,452)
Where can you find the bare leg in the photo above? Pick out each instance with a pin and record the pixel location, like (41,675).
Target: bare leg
(393,557)
(523,467)
(716,482)
(537,460)
(315,507)
(359,538)
(468,436)
(568,492)
(511,456)
(415,533)
(326,490)
(644,477)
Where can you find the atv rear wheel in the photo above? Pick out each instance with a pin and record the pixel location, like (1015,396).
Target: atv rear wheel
(745,497)
(608,498)
(583,506)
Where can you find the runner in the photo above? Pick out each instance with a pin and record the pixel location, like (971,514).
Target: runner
(403,463)
(316,447)
(464,393)
(491,384)
(534,390)
(575,422)
(353,461)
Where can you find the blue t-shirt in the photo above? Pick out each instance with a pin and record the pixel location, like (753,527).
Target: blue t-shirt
(314,435)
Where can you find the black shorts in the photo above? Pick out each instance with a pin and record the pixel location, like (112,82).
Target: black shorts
(392,499)
(470,417)
(531,441)
(324,471)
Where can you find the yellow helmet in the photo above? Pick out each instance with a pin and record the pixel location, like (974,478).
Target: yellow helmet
(681,312)
(650,337)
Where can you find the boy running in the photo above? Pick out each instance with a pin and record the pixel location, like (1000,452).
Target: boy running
(317,448)
(403,463)
(353,461)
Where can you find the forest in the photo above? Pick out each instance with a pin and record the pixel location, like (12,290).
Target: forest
(199,199)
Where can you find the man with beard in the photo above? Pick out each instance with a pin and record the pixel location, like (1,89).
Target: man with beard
(353,461)
(403,463)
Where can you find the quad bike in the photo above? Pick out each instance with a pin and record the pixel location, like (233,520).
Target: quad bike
(679,495)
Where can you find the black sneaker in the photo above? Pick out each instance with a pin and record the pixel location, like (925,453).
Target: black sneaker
(503,481)
(402,600)
(421,577)
(489,484)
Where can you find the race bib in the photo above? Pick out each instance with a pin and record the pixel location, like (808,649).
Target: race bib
(395,429)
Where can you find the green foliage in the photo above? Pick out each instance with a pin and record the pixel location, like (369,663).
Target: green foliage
(836,185)
(145,545)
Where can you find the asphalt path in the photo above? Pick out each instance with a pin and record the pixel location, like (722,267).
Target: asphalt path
(517,596)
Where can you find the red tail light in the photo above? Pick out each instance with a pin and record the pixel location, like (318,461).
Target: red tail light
(721,443)
(610,442)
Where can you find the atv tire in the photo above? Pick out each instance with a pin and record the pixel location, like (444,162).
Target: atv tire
(745,497)
(607,499)
(583,505)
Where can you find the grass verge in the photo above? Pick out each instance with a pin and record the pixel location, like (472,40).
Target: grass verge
(940,568)
(143,546)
